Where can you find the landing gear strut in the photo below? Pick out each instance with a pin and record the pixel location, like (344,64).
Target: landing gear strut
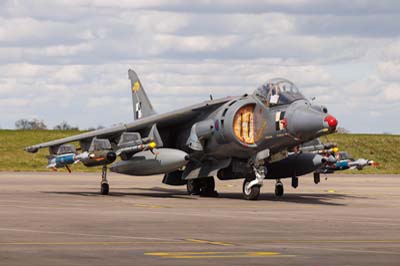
(104,188)
(317,178)
(279,188)
(202,186)
(251,188)
(295,181)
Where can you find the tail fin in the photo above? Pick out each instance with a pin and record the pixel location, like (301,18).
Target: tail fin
(141,103)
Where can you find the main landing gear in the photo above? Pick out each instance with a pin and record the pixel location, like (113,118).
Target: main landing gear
(279,188)
(202,186)
(104,188)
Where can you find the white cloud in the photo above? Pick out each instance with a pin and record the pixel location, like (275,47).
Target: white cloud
(389,71)
(68,74)
(13,102)
(28,32)
(65,50)
(392,50)
(72,65)
(392,92)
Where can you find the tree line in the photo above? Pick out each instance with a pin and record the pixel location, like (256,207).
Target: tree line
(36,124)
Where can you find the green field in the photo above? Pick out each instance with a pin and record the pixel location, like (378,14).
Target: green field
(384,149)
(14,158)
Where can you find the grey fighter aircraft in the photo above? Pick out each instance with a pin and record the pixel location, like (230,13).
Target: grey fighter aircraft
(250,136)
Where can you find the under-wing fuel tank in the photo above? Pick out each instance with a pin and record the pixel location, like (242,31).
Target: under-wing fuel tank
(153,162)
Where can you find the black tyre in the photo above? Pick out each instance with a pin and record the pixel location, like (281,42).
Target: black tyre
(252,193)
(193,187)
(105,188)
(208,185)
(279,190)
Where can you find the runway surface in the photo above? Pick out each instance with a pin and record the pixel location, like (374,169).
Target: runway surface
(60,219)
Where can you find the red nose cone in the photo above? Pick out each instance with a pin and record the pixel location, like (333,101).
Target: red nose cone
(332,122)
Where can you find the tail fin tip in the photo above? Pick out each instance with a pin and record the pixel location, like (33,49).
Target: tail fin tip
(142,106)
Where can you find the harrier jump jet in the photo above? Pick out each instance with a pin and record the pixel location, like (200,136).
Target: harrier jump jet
(248,136)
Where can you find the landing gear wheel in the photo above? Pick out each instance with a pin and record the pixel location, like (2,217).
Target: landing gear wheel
(105,188)
(208,187)
(250,193)
(279,189)
(193,187)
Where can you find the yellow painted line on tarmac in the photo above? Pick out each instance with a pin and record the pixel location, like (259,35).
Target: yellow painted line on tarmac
(91,243)
(208,255)
(209,242)
(331,191)
(150,206)
(328,241)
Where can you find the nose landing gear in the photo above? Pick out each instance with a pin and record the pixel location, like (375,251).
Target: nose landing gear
(251,186)
(250,193)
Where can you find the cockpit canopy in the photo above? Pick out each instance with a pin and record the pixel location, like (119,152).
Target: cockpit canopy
(278,92)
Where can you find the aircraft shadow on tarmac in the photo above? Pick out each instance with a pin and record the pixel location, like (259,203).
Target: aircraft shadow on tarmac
(158,192)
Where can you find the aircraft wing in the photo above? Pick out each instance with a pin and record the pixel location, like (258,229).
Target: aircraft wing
(162,121)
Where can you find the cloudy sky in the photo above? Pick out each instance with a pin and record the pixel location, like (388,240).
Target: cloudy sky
(68,60)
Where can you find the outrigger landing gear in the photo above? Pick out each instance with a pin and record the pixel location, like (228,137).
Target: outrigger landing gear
(279,188)
(105,188)
(202,186)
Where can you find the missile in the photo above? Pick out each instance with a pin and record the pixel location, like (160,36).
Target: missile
(137,148)
(61,161)
(89,159)
(321,148)
(358,164)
